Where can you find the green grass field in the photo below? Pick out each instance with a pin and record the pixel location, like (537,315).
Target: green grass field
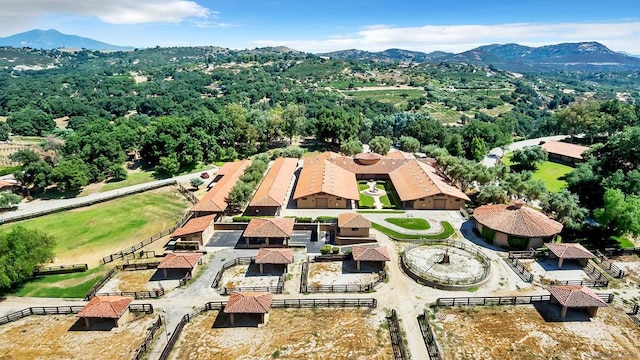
(87,234)
(74,285)
(132,179)
(446,232)
(551,173)
(391,95)
(410,223)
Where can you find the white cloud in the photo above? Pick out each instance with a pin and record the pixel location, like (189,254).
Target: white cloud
(109,11)
(623,36)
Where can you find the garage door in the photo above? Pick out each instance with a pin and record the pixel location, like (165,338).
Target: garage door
(440,204)
(322,203)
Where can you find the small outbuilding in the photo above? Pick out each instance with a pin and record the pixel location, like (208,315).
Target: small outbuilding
(180,261)
(569,251)
(270,256)
(377,254)
(353,229)
(251,303)
(109,308)
(196,231)
(516,225)
(563,152)
(269,231)
(575,297)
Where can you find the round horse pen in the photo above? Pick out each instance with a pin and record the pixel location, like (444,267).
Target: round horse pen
(445,264)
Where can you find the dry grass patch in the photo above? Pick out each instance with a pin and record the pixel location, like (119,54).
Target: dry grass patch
(49,337)
(309,334)
(137,280)
(521,332)
(340,273)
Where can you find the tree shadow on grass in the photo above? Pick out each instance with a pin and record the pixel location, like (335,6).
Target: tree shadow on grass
(57,194)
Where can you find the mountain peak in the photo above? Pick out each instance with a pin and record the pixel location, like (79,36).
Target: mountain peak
(53,39)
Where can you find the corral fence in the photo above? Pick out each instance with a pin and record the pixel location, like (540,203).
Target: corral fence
(13,218)
(445,283)
(634,314)
(528,254)
(369,303)
(92,292)
(515,265)
(429,337)
(505,300)
(141,308)
(341,288)
(138,266)
(243,260)
(397,343)
(587,283)
(304,275)
(61,269)
(623,251)
(272,289)
(608,266)
(48,310)
(151,294)
(142,349)
(188,194)
(182,282)
(174,337)
(332,257)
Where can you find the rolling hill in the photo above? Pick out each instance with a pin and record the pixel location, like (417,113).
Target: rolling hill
(53,39)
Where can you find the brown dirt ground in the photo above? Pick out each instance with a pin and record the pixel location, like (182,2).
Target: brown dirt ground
(521,332)
(134,280)
(292,334)
(49,337)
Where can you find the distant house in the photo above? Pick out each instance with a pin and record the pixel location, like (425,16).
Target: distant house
(515,225)
(185,262)
(267,256)
(324,185)
(196,230)
(564,153)
(214,202)
(268,232)
(353,229)
(376,254)
(569,251)
(575,297)
(249,303)
(8,186)
(270,196)
(105,308)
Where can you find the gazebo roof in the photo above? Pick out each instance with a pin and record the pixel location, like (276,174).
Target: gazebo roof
(368,253)
(576,296)
(274,256)
(353,220)
(195,225)
(105,307)
(249,303)
(517,220)
(270,228)
(569,251)
(180,261)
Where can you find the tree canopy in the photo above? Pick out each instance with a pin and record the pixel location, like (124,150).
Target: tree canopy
(21,251)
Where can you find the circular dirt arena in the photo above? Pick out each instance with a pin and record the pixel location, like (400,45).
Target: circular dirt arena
(465,268)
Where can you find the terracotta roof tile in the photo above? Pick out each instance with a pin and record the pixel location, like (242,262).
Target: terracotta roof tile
(194,225)
(323,176)
(215,200)
(105,307)
(273,189)
(569,251)
(517,220)
(576,296)
(418,179)
(180,261)
(353,220)
(269,228)
(274,256)
(249,303)
(565,149)
(374,164)
(367,156)
(5,183)
(398,154)
(368,253)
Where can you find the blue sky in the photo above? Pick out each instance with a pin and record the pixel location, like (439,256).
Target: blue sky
(327,25)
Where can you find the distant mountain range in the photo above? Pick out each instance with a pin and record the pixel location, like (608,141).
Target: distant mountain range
(53,39)
(570,56)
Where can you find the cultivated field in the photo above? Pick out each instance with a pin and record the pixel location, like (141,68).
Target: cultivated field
(289,334)
(528,332)
(63,337)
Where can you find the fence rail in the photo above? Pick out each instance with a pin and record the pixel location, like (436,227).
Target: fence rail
(142,349)
(138,266)
(519,269)
(243,260)
(399,350)
(151,294)
(341,288)
(92,292)
(304,275)
(608,266)
(492,300)
(174,337)
(62,269)
(429,337)
(132,249)
(332,257)
(48,310)
(145,308)
(328,303)
(188,194)
(587,283)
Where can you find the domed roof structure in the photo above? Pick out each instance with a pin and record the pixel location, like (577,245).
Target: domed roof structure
(517,220)
(367,158)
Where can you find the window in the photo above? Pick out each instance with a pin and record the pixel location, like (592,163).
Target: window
(339,199)
(354,229)
(304,198)
(458,200)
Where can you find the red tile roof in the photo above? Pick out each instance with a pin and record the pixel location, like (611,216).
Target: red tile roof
(215,200)
(368,253)
(269,228)
(323,176)
(400,155)
(4,184)
(517,220)
(367,156)
(576,296)
(375,165)
(565,149)
(180,261)
(273,188)
(353,220)
(194,225)
(249,303)
(105,307)
(569,251)
(274,256)
(418,179)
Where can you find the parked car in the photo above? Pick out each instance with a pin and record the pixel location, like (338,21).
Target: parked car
(204,175)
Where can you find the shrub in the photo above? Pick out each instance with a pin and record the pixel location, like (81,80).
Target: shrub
(241,218)
(325,249)
(335,250)
(518,243)
(326,219)
(488,234)
(306,220)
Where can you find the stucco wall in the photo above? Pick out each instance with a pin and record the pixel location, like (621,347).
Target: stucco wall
(451,203)
(501,239)
(354,232)
(311,202)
